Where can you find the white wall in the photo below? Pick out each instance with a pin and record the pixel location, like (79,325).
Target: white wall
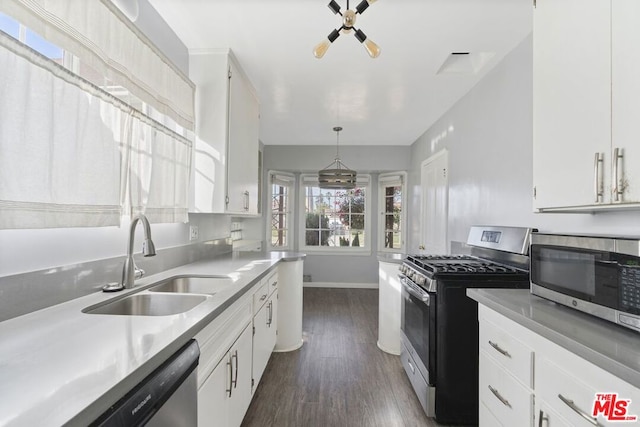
(489,137)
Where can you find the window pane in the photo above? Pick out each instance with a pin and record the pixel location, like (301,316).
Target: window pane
(43,46)
(278,237)
(9,26)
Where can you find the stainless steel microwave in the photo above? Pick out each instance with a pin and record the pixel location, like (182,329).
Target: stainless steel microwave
(596,275)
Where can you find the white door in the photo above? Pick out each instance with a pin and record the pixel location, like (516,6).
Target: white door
(571,101)
(435,198)
(242,166)
(625,85)
(213,396)
(241,353)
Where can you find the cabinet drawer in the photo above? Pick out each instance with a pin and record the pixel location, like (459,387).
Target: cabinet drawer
(508,400)
(564,393)
(510,353)
(486,417)
(272,282)
(260,296)
(547,417)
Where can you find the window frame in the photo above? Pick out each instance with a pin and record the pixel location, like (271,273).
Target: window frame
(386,180)
(308,180)
(290,179)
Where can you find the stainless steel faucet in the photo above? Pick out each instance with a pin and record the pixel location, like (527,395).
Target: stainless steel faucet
(129,270)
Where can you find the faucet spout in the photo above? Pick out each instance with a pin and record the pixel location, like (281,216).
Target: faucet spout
(148,249)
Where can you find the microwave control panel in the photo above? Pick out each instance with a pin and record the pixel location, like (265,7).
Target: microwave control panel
(630,289)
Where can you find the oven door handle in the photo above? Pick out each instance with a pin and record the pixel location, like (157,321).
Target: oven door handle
(421,295)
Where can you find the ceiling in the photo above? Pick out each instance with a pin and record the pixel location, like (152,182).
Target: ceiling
(390,100)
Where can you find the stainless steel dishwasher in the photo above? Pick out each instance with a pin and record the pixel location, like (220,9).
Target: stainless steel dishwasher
(167,397)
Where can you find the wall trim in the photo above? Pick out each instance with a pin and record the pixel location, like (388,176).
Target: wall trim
(340,285)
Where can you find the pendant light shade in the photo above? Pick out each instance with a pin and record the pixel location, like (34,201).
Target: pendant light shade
(337,175)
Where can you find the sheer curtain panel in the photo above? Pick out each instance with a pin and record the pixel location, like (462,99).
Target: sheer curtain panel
(60,147)
(102,37)
(158,172)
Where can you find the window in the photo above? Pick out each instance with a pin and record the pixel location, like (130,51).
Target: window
(335,220)
(279,227)
(392,222)
(95,157)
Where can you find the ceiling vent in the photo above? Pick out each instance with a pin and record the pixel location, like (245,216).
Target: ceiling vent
(465,62)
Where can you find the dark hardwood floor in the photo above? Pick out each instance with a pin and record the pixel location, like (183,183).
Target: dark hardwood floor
(339,377)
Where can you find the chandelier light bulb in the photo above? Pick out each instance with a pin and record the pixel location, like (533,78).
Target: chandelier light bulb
(321,49)
(323,46)
(372,49)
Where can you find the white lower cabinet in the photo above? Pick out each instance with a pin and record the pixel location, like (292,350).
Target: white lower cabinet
(265,324)
(225,395)
(526,380)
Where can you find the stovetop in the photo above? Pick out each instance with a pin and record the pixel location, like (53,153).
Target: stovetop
(442,265)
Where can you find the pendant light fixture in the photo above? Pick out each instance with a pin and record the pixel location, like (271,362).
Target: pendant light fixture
(337,175)
(348,21)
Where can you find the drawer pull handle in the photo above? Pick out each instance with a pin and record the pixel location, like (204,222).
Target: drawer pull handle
(499,350)
(542,418)
(579,411)
(263,297)
(274,284)
(504,401)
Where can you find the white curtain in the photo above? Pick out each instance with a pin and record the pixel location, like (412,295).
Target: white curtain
(60,148)
(102,37)
(158,173)
(72,155)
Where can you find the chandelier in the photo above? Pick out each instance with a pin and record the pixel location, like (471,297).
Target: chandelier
(337,175)
(348,21)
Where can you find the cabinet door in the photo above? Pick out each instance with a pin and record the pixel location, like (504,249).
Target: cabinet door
(264,337)
(243,146)
(626,96)
(213,396)
(546,417)
(571,101)
(240,356)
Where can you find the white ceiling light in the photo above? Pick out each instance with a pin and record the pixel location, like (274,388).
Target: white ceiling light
(337,175)
(348,21)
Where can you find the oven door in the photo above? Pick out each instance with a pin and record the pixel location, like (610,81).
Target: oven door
(418,325)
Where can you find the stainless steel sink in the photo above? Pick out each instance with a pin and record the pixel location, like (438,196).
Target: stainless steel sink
(148,305)
(193,284)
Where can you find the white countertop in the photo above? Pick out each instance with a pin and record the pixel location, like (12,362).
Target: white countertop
(61,366)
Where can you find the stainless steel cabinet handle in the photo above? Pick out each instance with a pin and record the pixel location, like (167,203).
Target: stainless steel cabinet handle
(235,380)
(270,320)
(504,401)
(499,350)
(230,365)
(541,418)
(578,411)
(246,200)
(263,297)
(597,177)
(618,188)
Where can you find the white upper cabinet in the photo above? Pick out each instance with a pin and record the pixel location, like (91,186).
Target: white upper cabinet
(626,99)
(225,161)
(586,96)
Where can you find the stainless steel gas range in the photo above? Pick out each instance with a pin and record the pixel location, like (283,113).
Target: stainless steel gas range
(439,322)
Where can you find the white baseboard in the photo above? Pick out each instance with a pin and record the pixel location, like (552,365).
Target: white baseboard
(340,285)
